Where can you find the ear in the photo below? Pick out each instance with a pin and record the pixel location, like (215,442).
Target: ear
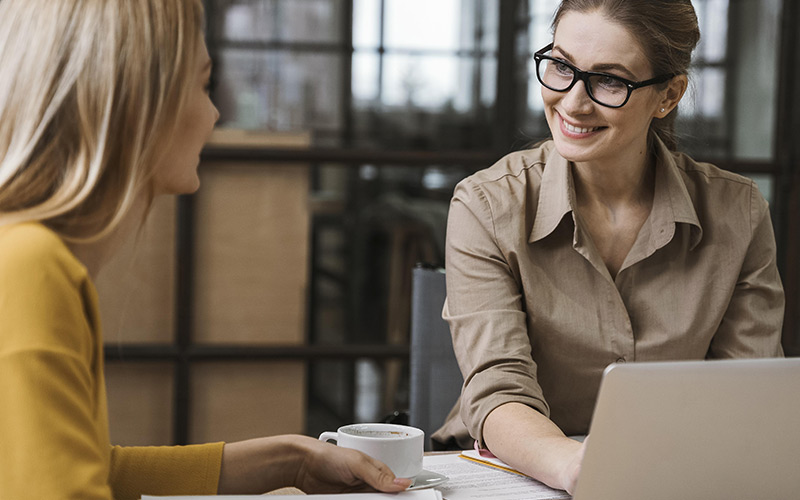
(671,96)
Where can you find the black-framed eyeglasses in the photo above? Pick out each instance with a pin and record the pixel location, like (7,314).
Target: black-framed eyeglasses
(604,89)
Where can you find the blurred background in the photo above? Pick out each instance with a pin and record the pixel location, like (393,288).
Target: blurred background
(277,298)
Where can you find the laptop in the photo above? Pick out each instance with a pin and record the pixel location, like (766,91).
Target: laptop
(684,430)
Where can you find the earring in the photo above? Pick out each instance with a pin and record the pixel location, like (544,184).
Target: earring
(663,109)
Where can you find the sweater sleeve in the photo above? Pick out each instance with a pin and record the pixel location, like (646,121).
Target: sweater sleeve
(53,417)
(52,426)
(165,470)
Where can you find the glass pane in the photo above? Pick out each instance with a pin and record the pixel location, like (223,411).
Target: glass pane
(705,97)
(278,90)
(246,19)
(489,19)
(488,81)
(140,397)
(236,401)
(285,20)
(363,390)
(366,69)
(541,16)
(250,285)
(766,184)
(311,20)
(755,78)
(366,23)
(426,81)
(712,16)
(331,397)
(423,25)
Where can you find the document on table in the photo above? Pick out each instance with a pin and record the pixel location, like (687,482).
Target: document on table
(468,480)
(429,494)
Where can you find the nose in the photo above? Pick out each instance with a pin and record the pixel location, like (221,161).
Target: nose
(216,112)
(577,100)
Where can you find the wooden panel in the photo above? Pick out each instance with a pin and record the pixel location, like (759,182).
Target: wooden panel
(234,401)
(137,287)
(252,230)
(140,403)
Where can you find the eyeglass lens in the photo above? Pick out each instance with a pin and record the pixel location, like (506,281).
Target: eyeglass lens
(603,88)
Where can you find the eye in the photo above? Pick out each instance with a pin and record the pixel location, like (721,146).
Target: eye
(562,68)
(610,83)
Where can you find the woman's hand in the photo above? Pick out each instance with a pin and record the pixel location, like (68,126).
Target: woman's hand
(330,469)
(259,465)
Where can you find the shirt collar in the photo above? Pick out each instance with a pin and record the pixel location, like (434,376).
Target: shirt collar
(671,200)
(556,195)
(672,203)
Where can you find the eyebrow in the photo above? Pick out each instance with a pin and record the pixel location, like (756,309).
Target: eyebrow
(600,67)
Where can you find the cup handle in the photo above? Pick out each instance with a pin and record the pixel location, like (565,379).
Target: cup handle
(329,436)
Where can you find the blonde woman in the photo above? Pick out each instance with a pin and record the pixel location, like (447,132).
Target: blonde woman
(103,106)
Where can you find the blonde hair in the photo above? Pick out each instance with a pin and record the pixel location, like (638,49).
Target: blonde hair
(90,91)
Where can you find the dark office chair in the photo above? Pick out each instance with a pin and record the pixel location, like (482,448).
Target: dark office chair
(435,377)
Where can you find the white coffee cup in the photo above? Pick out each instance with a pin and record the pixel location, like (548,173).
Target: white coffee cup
(398,446)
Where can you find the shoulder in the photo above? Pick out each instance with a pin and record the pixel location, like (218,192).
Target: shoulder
(31,246)
(46,296)
(708,176)
(510,181)
(720,192)
(520,166)
(704,177)
(727,205)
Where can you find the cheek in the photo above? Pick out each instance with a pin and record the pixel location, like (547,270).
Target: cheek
(548,97)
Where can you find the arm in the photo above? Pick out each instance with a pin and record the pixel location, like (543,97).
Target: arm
(52,427)
(533,444)
(265,464)
(502,403)
(751,326)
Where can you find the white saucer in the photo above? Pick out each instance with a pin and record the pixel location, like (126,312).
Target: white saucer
(427,479)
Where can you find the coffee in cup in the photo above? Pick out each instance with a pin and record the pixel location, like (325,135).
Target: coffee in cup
(398,446)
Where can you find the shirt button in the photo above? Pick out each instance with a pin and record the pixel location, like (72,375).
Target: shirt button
(620,360)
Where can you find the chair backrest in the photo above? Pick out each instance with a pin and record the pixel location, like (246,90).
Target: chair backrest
(436,380)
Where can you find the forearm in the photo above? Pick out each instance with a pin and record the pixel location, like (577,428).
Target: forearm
(265,464)
(259,465)
(530,442)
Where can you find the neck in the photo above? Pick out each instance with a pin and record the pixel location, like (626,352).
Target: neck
(96,254)
(621,181)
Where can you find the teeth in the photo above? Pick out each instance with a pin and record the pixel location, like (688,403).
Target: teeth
(578,130)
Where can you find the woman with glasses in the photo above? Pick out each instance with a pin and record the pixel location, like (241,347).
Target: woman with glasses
(600,245)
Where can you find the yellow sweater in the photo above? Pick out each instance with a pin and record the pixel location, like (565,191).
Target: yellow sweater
(54,440)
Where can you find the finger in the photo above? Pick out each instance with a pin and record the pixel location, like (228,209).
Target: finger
(378,475)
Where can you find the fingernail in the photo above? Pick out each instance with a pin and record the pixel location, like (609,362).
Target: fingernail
(402,481)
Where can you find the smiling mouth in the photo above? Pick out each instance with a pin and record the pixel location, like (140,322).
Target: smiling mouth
(579,130)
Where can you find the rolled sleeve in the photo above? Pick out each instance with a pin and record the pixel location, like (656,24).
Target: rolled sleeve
(485,311)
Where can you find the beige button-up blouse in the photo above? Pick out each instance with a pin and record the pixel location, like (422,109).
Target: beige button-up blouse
(536,317)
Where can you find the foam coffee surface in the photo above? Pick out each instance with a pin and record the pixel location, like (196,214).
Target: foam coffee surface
(376,434)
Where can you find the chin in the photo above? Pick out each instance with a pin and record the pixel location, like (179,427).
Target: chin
(191,187)
(178,187)
(573,152)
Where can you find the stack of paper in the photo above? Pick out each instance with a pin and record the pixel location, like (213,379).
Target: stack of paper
(472,476)
(429,494)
